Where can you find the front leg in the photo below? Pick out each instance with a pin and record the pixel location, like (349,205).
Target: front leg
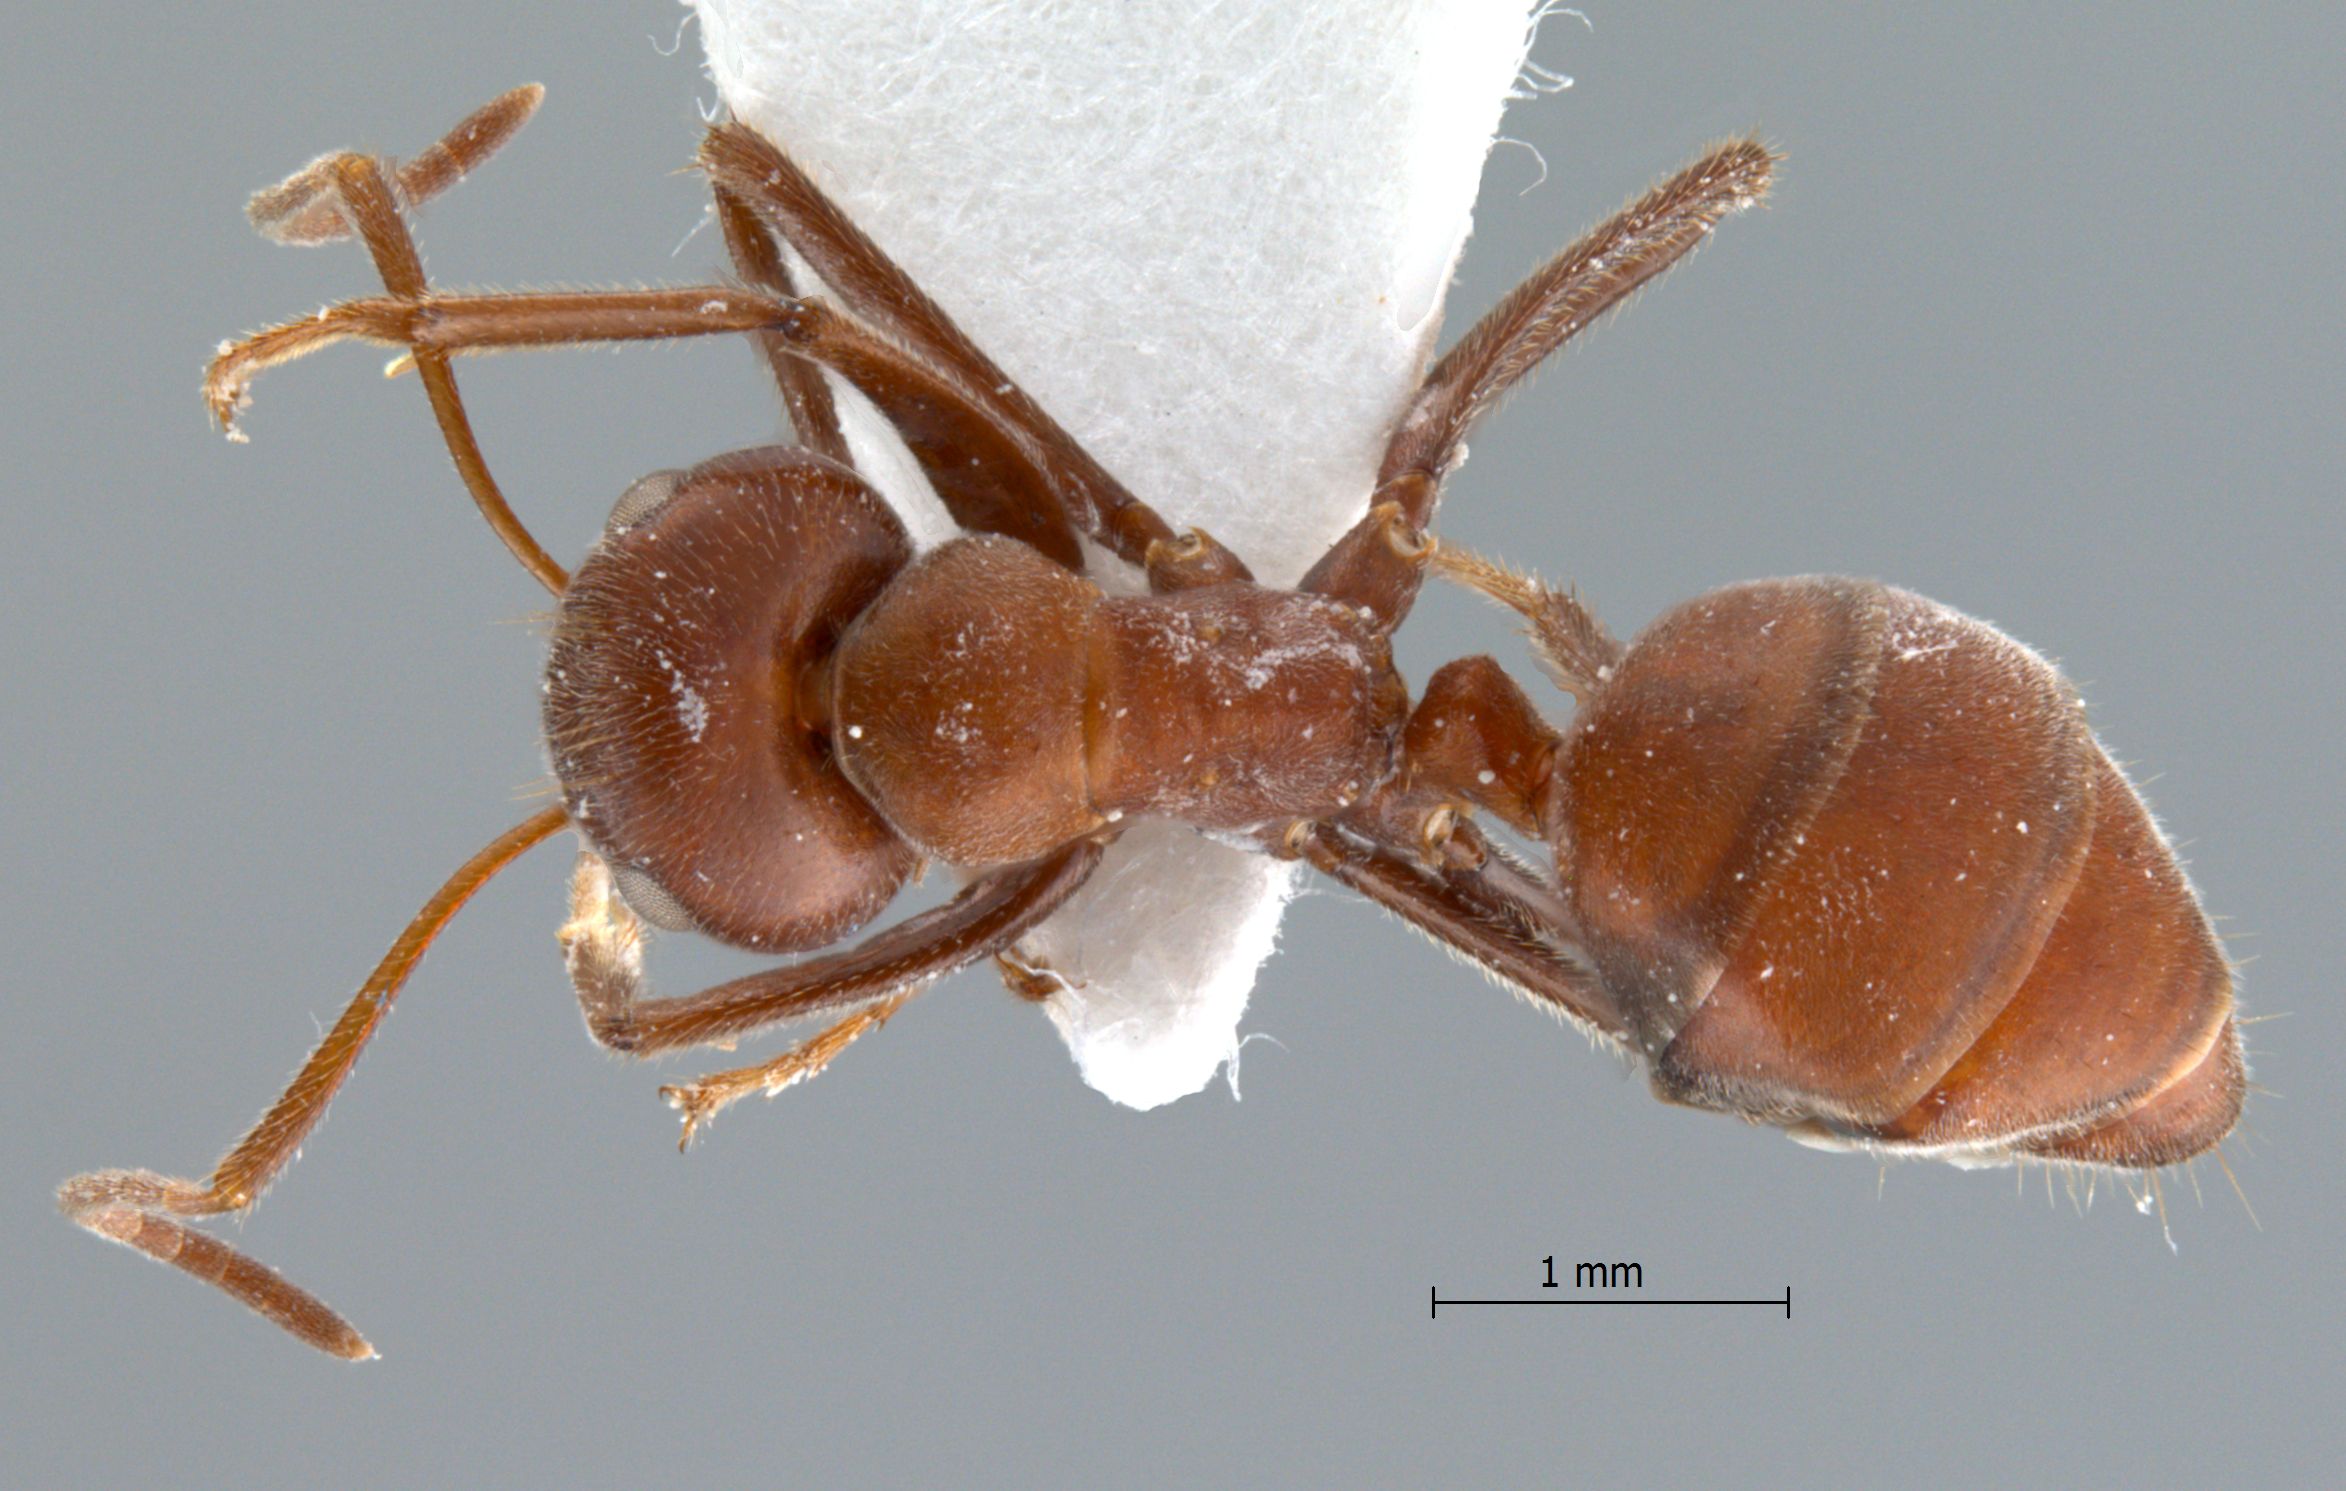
(703,1099)
(603,944)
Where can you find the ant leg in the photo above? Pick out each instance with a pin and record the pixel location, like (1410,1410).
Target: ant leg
(1565,295)
(603,944)
(1019,476)
(979,469)
(1575,648)
(302,210)
(704,1099)
(142,1210)
(806,398)
(982,496)
(1030,978)
(346,193)
(987,480)
(1484,925)
(745,163)
(1540,315)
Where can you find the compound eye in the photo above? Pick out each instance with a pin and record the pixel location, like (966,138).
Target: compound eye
(649,899)
(642,499)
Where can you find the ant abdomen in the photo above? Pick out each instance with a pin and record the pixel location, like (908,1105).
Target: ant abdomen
(2125,1019)
(675,709)
(1853,863)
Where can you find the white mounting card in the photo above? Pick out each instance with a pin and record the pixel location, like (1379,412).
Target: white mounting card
(1214,242)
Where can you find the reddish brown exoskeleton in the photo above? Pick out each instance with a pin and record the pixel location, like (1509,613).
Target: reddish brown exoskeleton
(1825,854)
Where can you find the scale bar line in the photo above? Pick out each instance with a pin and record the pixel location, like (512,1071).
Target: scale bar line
(1435,1296)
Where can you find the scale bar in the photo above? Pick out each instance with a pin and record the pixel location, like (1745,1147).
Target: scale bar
(1435,1295)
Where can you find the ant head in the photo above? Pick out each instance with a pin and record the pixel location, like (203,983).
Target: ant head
(682,709)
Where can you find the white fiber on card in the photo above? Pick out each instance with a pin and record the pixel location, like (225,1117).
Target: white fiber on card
(1213,242)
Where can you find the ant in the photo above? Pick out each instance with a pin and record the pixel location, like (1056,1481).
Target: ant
(1825,854)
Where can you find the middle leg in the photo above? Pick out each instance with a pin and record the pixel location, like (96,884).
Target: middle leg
(806,398)
(988,481)
(603,943)
(744,164)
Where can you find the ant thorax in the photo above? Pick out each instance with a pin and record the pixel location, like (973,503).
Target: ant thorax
(994,706)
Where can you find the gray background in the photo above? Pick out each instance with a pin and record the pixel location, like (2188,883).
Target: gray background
(2046,322)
